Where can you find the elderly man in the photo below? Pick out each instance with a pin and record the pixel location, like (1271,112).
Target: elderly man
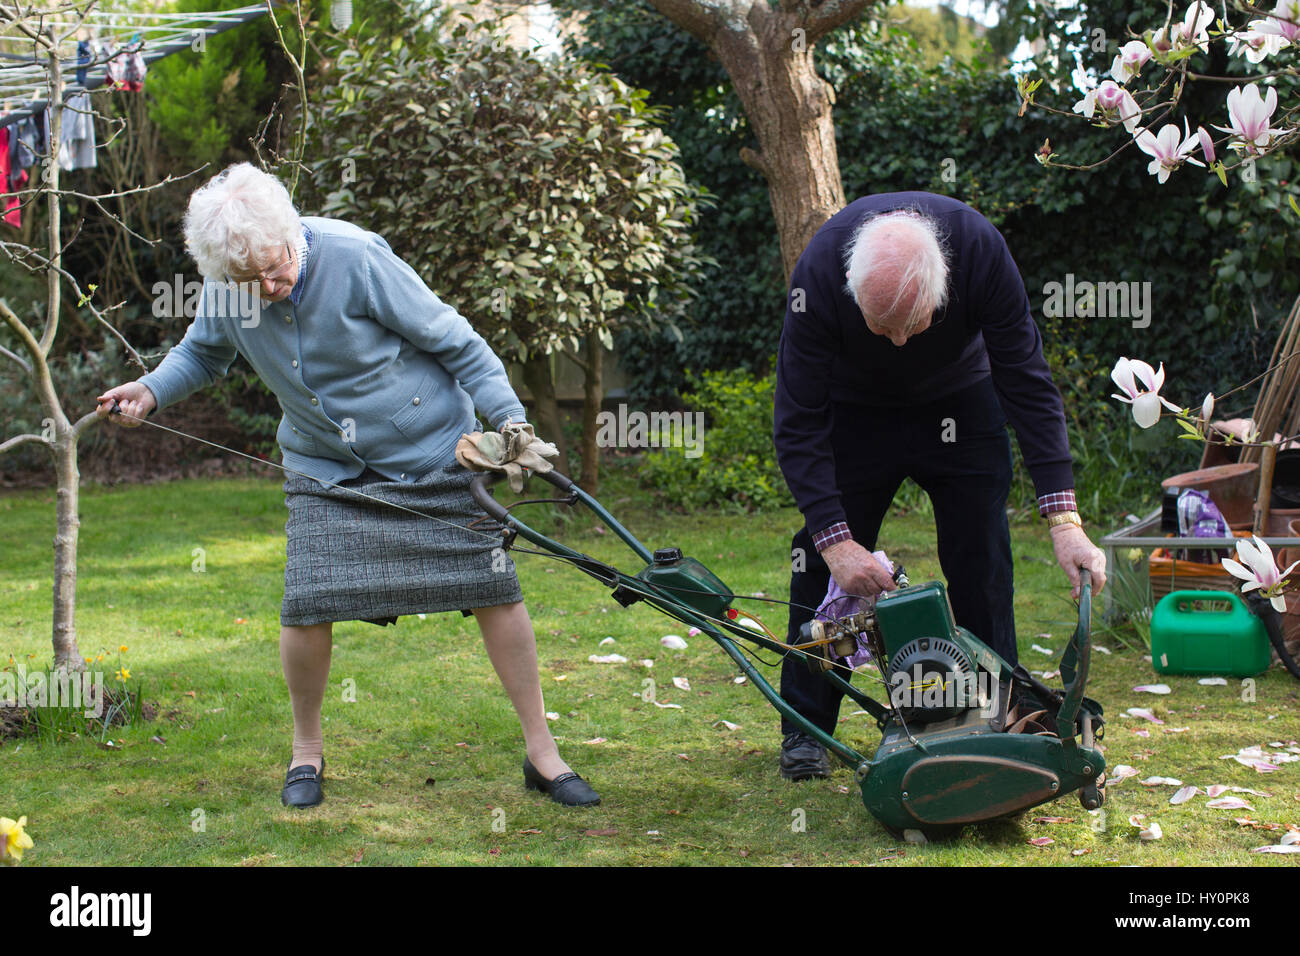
(908,345)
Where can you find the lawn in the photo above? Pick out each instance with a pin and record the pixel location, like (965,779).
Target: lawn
(423,752)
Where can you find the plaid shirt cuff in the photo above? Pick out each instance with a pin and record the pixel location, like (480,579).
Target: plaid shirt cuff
(1057,501)
(833,535)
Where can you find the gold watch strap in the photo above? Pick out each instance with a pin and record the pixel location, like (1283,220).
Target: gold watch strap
(1064,517)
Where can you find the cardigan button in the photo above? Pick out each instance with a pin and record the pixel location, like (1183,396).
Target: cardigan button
(416,400)
(295,363)
(403,476)
(288,318)
(314,402)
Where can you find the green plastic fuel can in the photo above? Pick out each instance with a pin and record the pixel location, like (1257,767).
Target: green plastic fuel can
(1208,632)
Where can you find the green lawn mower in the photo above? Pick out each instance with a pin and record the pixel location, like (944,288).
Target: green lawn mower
(966,737)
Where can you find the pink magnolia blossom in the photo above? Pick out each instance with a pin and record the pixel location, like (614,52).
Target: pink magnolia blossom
(1114,102)
(1167,152)
(1128,374)
(1283,24)
(1129,61)
(1194,30)
(1249,114)
(1207,143)
(1259,571)
(1257,42)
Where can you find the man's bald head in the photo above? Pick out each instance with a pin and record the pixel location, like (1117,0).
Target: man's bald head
(898,273)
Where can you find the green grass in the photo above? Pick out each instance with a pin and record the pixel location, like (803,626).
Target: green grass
(424,767)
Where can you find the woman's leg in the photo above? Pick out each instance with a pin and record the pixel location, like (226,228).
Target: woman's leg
(305,657)
(512,648)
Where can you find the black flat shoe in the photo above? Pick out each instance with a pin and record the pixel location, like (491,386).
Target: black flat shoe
(803,758)
(568,789)
(302,786)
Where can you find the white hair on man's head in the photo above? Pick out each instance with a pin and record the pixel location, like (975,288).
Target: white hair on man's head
(235,218)
(897,261)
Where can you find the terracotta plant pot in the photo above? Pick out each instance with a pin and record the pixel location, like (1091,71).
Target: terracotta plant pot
(1232,488)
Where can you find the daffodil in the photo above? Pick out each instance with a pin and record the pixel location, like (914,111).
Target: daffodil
(1259,571)
(13,840)
(122,648)
(123,673)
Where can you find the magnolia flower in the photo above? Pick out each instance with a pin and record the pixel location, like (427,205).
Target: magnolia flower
(1167,152)
(1129,61)
(1146,404)
(1207,147)
(1260,571)
(1193,31)
(1283,24)
(1114,102)
(1207,408)
(1256,42)
(13,840)
(1249,113)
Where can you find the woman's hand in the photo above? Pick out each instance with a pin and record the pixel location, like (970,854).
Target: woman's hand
(134,400)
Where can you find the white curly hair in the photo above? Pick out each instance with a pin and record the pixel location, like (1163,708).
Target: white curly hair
(235,218)
(898,260)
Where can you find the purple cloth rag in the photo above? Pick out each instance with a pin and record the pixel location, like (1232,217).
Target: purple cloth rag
(839,604)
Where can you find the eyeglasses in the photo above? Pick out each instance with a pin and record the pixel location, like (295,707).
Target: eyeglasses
(274,275)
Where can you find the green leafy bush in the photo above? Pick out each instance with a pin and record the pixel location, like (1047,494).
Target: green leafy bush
(737,468)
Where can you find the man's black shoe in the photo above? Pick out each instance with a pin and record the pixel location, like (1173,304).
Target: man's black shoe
(803,758)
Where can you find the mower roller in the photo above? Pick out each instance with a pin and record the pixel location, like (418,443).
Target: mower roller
(965,737)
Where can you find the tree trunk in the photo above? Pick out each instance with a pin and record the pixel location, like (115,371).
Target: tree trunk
(768,53)
(548,427)
(593,396)
(66,653)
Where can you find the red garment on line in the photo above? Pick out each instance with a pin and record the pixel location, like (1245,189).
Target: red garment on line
(13,213)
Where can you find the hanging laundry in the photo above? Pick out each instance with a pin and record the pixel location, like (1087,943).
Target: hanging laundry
(115,65)
(77,136)
(9,181)
(134,73)
(83,60)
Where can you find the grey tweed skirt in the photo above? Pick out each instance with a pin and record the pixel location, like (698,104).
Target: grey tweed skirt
(349,558)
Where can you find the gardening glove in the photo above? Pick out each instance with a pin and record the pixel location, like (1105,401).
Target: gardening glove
(511,451)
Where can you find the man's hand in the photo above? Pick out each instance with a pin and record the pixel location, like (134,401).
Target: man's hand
(856,571)
(133,399)
(1074,550)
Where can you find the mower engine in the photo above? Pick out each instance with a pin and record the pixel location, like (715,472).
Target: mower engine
(969,738)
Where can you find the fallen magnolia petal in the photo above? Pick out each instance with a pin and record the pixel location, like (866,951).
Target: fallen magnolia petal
(1152,832)
(595,740)
(608,640)
(1277,848)
(1256,793)
(694,632)
(1053,819)
(1177,730)
(1041,841)
(647,662)
(673,642)
(1051,675)
(1103,650)
(1043,650)
(1161,782)
(607,659)
(1229,803)
(1152,688)
(1121,772)
(1183,795)
(1215,790)
(739,680)
(681,683)
(1145,714)
(1081,851)
(1212,682)
(1137,820)
(1045,636)
(728,724)
(672,706)
(750,623)
(552,715)
(914,836)
(1290,838)
(1141,732)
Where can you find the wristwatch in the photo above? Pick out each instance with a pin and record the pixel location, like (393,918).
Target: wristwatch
(1064,517)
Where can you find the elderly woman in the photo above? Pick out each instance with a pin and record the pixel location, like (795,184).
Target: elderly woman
(378,379)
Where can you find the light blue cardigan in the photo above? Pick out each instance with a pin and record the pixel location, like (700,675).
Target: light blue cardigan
(370,367)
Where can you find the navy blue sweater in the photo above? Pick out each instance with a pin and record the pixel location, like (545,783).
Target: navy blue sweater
(828,357)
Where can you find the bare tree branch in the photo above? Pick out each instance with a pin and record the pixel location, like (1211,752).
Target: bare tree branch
(22,439)
(17,358)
